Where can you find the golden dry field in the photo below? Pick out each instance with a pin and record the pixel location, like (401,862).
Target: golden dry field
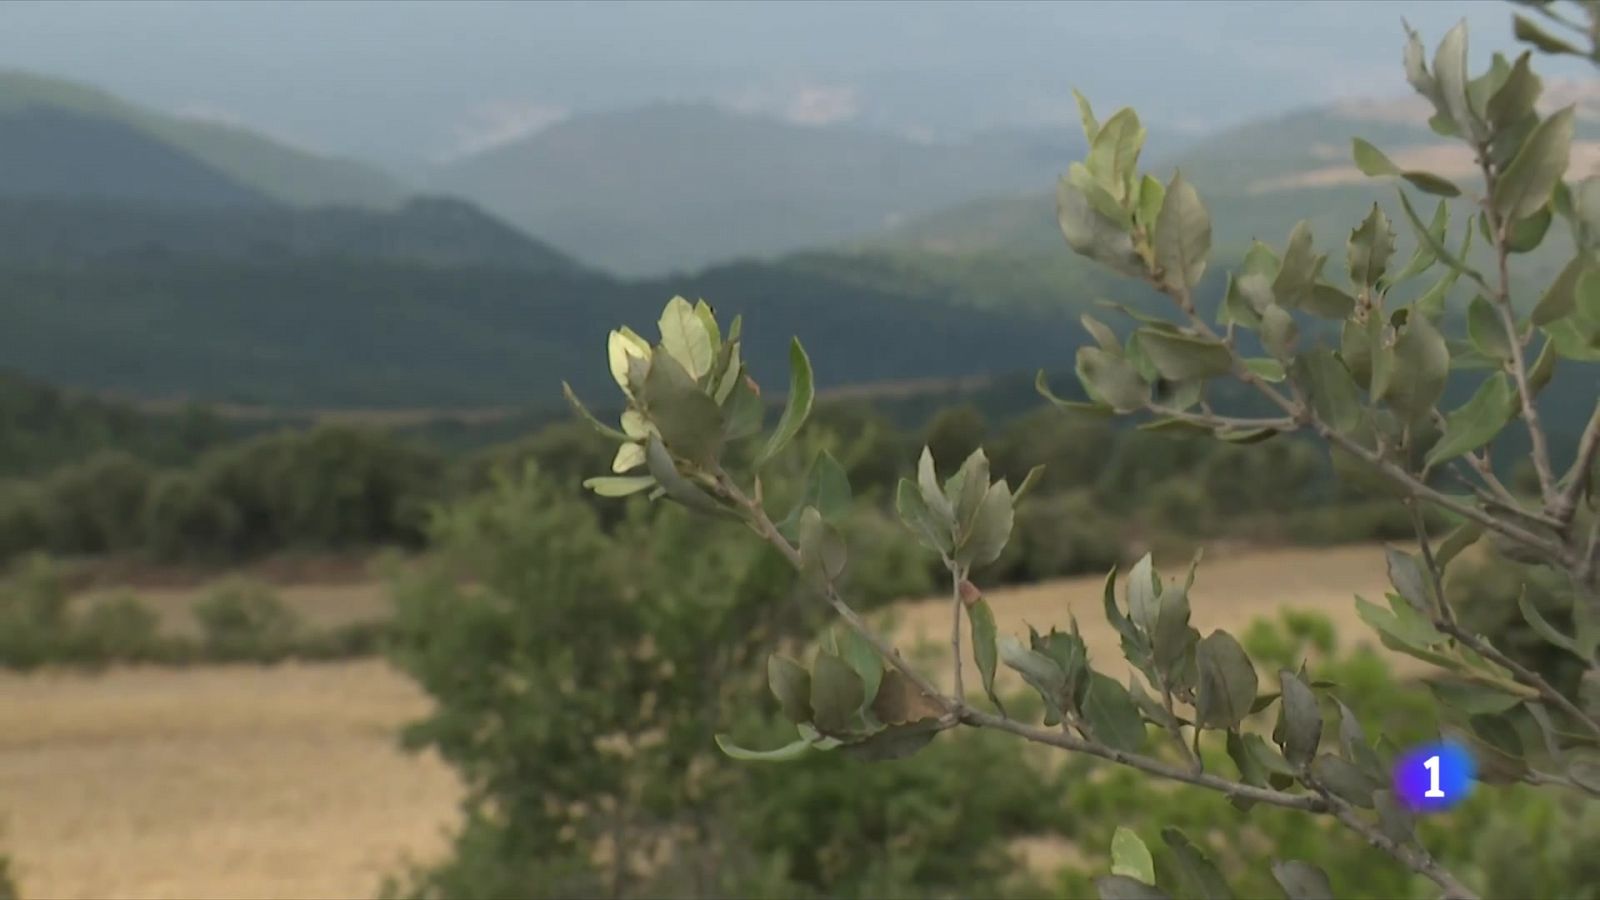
(285,781)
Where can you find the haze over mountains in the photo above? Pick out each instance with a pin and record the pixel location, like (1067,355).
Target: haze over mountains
(150,254)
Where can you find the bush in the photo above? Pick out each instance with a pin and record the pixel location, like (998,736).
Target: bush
(242,619)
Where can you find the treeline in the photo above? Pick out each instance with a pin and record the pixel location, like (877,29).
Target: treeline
(338,488)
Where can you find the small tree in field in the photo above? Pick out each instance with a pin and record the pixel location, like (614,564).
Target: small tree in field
(1336,356)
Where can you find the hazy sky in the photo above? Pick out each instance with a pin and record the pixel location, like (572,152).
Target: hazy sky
(402,82)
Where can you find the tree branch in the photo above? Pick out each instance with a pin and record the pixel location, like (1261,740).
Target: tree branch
(1577,478)
(1501,227)
(1414,858)
(1068,741)
(956,577)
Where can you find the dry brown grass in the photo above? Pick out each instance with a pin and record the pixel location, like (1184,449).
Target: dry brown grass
(285,781)
(226,781)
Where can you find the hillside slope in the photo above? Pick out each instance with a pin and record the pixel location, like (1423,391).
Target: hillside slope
(675,187)
(427,231)
(253,162)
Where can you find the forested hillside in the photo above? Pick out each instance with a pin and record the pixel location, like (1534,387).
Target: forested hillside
(50,118)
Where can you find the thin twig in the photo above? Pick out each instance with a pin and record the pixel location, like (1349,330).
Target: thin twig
(1068,741)
(1435,571)
(1577,478)
(1501,228)
(1415,858)
(1520,672)
(762,524)
(956,577)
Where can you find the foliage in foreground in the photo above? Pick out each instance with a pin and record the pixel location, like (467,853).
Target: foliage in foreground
(693,433)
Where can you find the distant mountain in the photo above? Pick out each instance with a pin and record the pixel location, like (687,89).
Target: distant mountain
(1257,179)
(56,134)
(675,187)
(426,231)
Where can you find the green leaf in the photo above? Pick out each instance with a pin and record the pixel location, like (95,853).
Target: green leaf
(1344,780)
(1429,183)
(676,486)
(1525,235)
(1450,76)
(1144,594)
(1250,769)
(828,488)
(1111,380)
(1465,535)
(1486,331)
(1406,576)
(690,422)
(822,548)
(1353,742)
(1370,160)
(1042,386)
(863,659)
(991,529)
(1028,481)
(1172,638)
(1470,697)
(785,753)
(1435,245)
(1112,715)
(1526,30)
(1183,236)
(914,512)
(1227,681)
(985,646)
(1297,274)
(1542,627)
(1395,821)
(1180,357)
(1121,887)
(1302,880)
(1265,369)
(1400,621)
(1037,669)
(746,412)
(933,495)
(836,694)
(1114,153)
(894,742)
(610,486)
(797,408)
(1130,856)
(1560,297)
(1301,719)
(1586,297)
(1090,233)
(1370,248)
(1423,257)
(583,413)
(898,700)
(791,684)
(1478,421)
(1334,396)
(1102,334)
(1422,364)
(1279,332)
(1086,114)
(1527,182)
(1328,302)
(965,490)
(1200,878)
(684,337)
(1254,284)
(1268,759)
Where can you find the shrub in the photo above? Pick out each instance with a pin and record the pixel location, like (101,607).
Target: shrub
(1375,401)
(241,619)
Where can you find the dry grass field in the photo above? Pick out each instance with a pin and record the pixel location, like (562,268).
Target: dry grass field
(285,781)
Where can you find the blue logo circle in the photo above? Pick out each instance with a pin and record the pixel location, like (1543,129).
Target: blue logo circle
(1434,777)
